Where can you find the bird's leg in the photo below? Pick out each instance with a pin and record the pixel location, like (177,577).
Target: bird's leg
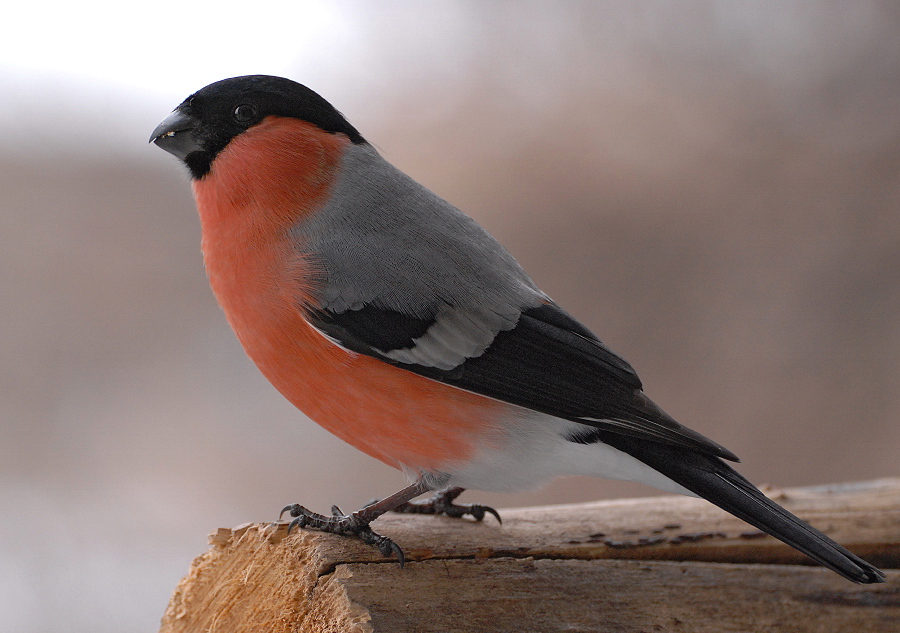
(442,503)
(357,524)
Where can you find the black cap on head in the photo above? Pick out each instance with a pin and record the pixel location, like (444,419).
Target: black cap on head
(206,121)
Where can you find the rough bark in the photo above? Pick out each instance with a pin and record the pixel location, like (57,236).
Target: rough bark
(692,568)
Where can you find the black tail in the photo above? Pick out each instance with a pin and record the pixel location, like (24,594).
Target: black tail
(715,481)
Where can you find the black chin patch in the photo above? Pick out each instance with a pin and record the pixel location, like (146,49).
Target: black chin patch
(199,164)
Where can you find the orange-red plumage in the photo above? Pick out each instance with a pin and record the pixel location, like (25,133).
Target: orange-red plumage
(263,279)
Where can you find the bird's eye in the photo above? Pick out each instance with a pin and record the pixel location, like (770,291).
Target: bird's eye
(245,113)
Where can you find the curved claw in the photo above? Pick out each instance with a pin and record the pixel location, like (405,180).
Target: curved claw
(398,553)
(386,546)
(288,508)
(478,511)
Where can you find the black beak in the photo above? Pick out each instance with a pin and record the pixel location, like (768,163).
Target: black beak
(175,136)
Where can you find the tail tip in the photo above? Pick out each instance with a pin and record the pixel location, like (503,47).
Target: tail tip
(866,575)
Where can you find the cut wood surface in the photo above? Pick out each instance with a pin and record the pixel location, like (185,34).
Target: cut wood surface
(693,568)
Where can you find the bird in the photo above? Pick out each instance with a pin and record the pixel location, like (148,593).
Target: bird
(397,323)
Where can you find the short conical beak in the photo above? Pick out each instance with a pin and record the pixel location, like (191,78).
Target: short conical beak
(174,135)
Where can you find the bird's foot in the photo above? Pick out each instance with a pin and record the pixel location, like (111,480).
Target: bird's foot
(442,503)
(354,525)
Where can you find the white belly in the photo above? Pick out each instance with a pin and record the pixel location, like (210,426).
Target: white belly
(533,450)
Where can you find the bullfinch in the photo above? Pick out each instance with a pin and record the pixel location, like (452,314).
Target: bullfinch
(400,325)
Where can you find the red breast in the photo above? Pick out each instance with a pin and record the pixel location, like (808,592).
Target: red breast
(266,180)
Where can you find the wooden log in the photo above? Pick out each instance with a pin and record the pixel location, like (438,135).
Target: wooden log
(692,568)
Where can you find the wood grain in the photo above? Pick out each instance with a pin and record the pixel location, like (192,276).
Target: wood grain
(692,568)
(610,595)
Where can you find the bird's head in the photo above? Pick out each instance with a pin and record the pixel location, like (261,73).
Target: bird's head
(204,123)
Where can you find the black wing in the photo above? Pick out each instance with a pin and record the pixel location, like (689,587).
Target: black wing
(547,361)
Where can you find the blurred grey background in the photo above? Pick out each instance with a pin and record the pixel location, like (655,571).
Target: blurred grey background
(711,186)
